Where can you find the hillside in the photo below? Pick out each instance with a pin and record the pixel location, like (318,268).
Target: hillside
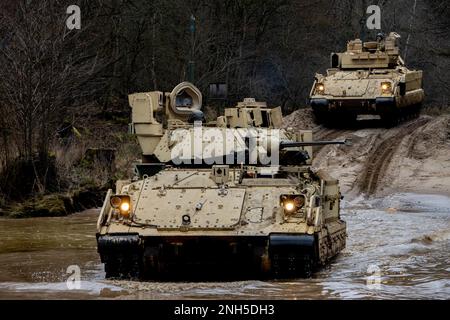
(412,157)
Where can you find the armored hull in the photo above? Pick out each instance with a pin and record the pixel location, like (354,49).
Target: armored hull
(195,228)
(369,78)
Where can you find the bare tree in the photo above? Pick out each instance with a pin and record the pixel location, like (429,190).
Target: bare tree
(45,71)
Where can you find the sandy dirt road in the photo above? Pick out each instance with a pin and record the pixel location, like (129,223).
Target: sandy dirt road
(411,157)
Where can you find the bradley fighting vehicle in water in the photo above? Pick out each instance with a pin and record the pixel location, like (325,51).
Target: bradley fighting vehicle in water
(368,78)
(232,198)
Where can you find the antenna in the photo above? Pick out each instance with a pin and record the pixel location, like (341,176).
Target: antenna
(191,64)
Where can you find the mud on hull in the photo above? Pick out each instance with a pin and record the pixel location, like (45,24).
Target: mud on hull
(129,256)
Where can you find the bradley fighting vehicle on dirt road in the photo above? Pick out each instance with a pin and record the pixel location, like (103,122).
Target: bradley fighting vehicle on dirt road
(231,198)
(368,78)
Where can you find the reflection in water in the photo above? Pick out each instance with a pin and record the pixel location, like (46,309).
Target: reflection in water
(403,238)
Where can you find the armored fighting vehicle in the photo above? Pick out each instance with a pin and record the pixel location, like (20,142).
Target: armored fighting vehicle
(232,198)
(368,78)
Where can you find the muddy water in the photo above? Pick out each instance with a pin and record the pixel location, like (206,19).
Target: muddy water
(398,247)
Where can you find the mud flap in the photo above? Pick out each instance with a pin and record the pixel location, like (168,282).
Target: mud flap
(291,254)
(385,104)
(118,242)
(319,104)
(389,113)
(320,110)
(121,254)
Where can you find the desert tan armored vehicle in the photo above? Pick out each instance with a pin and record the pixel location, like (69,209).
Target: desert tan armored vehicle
(232,198)
(368,78)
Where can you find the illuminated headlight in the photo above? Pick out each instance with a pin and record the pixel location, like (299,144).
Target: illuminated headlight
(125,207)
(320,88)
(122,203)
(386,87)
(291,203)
(289,206)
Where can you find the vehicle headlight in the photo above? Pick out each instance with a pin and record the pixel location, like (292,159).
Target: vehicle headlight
(320,88)
(125,207)
(289,206)
(386,87)
(122,203)
(291,203)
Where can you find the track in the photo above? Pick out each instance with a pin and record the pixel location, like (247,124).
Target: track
(381,156)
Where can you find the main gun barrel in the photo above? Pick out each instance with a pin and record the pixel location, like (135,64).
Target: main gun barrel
(294,144)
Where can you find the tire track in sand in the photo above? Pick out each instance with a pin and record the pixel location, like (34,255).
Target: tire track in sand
(381,155)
